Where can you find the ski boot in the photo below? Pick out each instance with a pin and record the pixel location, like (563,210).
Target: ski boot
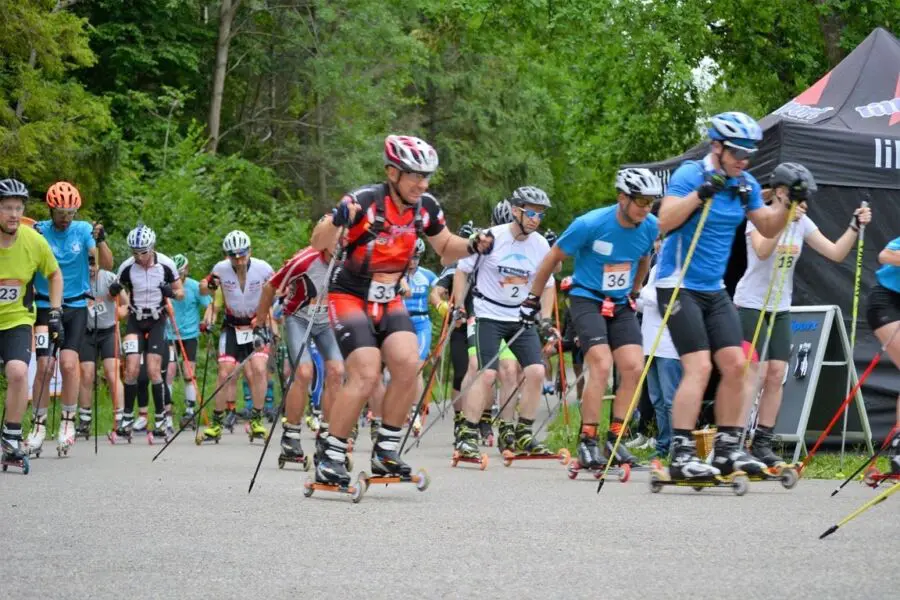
(622,457)
(65,439)
(187,419)
(83,429)
(590,459)
(729,456)
(387,465)
(12,452)
(466,449)
(35,442)
(506,436)
(213,433)
(486,429)
(314,420)
(331,475)
(354,434)
(549,388)
(230,420)
(123,431)
(160,432)
(291,451)
(873,477)
(459,419)
(140,424)
(687,470)
(776,468)
(255,428)
(528,448)
(374,426)
(269,409)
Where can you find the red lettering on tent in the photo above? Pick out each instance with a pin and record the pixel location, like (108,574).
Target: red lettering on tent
(812,95)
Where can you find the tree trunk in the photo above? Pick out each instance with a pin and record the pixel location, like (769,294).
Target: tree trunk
(227,11)
(320,148)
(831,25)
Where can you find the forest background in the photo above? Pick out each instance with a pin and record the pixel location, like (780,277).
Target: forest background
(198,117)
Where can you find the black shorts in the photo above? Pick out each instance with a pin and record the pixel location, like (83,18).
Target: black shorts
(151,335)
(104,342)
(190,348)
(882,307)
(15,344)
(593,329)
(231,351)
(74,325)
(701,320)
(459,355)
(489,334)
(356,327)
(780,344)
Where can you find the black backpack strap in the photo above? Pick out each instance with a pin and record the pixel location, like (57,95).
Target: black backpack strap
(375,228)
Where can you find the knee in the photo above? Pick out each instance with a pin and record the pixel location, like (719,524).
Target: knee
(630,368)
(598,362)
(698,369)
(305,372)
(488,378)
(17,373)
(508,371)
(775,374)
(406,369)
(334,372)
(535,372)
(87,373)
(732,366)
(69,365)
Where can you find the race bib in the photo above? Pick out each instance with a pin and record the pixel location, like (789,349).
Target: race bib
(97,309)
(41,340)
(243,335)
(10,290)
(616,277)
(515,293)
(382,292)
(130,346)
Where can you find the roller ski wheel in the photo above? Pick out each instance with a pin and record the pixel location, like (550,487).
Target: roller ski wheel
(481,460)
(622,472)
(21,463)
(420,479)
(738,482)
(488,441)
(303,461)
(873,478)
(563,456)
(84,432)
(310,486)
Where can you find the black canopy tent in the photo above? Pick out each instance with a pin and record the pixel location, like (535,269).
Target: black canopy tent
(846,130)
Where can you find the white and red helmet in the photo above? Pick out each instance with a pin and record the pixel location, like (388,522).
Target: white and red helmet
(410,154)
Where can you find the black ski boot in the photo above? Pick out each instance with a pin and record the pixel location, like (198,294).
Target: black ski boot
(623,456)
(589,456)
(330,468)
(762,448)
(729,456)
(385,456)
(685,463)
(485,429)
(506,438)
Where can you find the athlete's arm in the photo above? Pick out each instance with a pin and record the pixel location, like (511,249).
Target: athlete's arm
(178,289)
(551,264)
(56,288)
(769,220)
(547,297)
(325,234)
(104,255)
(266,298)
(459,288)
(122,304)
(642,271)
(273,324)
(838,251)
(438,295)
(675,210)
(889,257)
(763,247)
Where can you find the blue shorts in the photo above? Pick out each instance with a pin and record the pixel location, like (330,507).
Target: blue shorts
(423,335)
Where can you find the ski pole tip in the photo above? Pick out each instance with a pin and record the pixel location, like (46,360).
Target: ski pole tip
(828,532)
(600,484)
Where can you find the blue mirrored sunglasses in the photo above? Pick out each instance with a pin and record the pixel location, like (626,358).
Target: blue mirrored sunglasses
(532,214)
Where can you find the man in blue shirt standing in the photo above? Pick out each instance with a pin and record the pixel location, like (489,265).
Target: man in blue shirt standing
(76,245)
(611,247)
(704,323)
(187,319)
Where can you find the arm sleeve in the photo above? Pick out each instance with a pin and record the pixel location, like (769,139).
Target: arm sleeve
(808,226)
(467,265)
(575,236)
(684,180)
(47,264)
(756,201)
(894,244)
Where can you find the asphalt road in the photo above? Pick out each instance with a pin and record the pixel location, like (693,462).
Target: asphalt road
(116,526)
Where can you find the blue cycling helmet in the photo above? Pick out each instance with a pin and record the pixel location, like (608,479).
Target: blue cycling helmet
(735,129)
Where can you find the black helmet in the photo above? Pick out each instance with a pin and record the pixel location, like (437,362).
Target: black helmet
(550,236)
(797,178)
(13,188)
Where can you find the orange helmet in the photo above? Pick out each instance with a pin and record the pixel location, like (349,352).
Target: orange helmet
(63,194)
(566,284)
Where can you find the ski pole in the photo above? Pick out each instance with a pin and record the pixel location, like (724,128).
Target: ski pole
(561,366)
(209,341)
(876,500)
(635,398)
(871,459)
(96,376)
(227,380)
(560,403)
(856,388)
(116,343)
(850,364)
(306,335)
(45,381)
(782,277)
(186,365)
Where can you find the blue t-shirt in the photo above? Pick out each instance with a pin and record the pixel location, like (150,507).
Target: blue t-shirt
(70,247)
(710,259)
(187,311)
(606,253)
(889,275)
(420,284)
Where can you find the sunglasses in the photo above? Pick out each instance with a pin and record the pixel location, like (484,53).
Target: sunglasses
(418,177)
(739,152)
(532,214)
(65,212)
(643,201)
(237,254)
(141,253)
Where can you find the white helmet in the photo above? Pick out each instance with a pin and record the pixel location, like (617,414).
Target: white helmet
(530,195)
(502,213)
(638,182)
(141,238)
(236,242)
(410,154)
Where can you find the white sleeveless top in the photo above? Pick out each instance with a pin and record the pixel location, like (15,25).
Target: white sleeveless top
(242,302)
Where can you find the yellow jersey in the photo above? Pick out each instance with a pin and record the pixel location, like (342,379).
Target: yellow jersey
(29,254)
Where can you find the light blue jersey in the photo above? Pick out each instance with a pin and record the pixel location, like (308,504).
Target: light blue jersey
(707,268)
(188,311)
(420,284)
(889,275)
(606,253)
(70,247)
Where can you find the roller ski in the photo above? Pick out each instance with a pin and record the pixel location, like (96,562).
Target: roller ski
(162,431)
(213,433)
(188,418)
(35,442)
(872,477)
(331,475)
(313,420)
(622,456)
(388,467)
(291,451)
(140,424)
(466,449)
(83,429)
(230,420)
(776,469)
(528,448)
(13,453)
(255,428)
(590,459)
(486,430)
(65,439)
(122,433)
(687,470)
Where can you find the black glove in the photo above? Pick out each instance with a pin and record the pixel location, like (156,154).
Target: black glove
(548,331)
(715,183)
(529,310)
(165,288)
(340,215)
(475,240)
(115,288)
(459,314)
(99,233)
(55,328)
(212,282)
(261,337)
